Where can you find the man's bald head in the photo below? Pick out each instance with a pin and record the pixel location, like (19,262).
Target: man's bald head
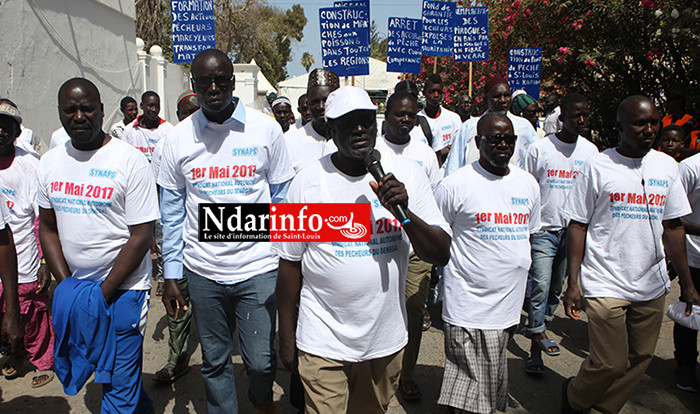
(631,105)
(638,123)
(204,58)
(81,83)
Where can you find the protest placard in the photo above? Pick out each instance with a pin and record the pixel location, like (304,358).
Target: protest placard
(438,28)
(193,28)
(471,42)
(524,67)
(404,45)
(345,40)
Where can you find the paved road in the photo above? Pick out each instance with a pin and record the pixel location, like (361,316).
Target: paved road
(655,394)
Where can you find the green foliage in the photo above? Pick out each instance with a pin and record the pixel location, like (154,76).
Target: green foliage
(377,43)
(251,29)
(245,29)
(307,60)
(603,48)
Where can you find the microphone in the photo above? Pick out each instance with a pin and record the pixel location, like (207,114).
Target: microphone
(375,168)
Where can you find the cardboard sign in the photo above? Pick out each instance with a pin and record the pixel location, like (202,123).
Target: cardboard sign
(404,45)
(438,28)
(471,34)
(524,68)
(345,40)
(193,28)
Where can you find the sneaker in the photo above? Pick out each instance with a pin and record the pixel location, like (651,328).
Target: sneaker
(686,379)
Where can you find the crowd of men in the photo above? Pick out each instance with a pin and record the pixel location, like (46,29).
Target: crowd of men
(504,213)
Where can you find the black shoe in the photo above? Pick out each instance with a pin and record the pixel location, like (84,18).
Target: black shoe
(566,408)
(686,379)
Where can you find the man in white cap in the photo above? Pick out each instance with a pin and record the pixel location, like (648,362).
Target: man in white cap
(282,111)
(352,320)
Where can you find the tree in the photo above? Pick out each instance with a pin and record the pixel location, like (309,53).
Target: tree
(251,29)
(245,29)
(153,25)
(377,43)
(307,60)
(592,46)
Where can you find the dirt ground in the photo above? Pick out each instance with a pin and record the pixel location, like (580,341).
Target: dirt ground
(655,394)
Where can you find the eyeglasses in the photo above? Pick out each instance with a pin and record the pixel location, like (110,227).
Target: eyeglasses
(203,82)
(497,139)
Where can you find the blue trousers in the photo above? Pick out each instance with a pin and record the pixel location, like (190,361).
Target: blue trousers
(125,394)
(217,308)
(547,274)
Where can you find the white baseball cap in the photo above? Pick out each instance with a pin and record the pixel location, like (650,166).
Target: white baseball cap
(347,99)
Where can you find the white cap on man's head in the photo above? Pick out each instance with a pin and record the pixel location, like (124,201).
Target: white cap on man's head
(347,99)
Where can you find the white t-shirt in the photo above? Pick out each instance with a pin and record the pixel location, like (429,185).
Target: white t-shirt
(59,137)
(624,258)
(351,305)
(689,170)
(4,213)
(465,152)
(492,218)
(552,124)
(117,129)
(96,195)
(238,162)
(145,139)
(443,127)
(305,146)
(417,151)
(555,164)
(18,183)
(28,141)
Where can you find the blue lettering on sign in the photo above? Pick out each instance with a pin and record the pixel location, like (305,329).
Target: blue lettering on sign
(192,27)
(404,45)
(471,43)
(524,67)
(244,152)
(653,182)
(517,201)
(94,172)
(438,20)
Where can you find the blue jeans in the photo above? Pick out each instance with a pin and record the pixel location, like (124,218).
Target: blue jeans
(217,308)
(125,394)
(547,274)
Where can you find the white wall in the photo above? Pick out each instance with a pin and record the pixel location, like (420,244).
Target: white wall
(46,42)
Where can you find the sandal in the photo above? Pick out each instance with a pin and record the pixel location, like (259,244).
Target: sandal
(410,391)
(42,378)
(534,365)
(11,368)
(427,322)
(159,288)
(170,372)
(549,347)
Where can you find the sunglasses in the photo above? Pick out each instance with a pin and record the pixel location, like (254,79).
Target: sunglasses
(497,139)
(203,82)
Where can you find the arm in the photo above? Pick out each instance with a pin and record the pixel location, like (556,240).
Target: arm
(11,330)
(430,243)
(43,275)
(576,243)
(288,289)
(690,227)
(51,244)
(129,258)
(172,207)
(674,240)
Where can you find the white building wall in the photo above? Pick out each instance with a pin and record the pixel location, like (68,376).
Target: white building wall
(46,42)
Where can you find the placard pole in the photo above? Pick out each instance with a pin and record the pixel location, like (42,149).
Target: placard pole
(470,80)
